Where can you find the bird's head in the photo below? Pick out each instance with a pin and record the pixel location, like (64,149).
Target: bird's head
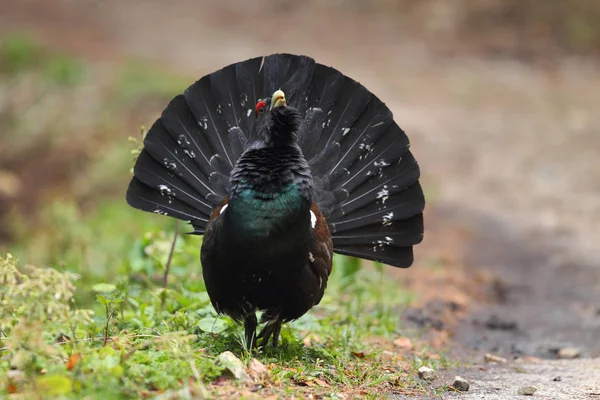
(277,123)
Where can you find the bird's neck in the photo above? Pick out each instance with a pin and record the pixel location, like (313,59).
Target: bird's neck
(270,189)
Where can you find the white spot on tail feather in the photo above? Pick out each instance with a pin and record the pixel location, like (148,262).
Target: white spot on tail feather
(165,190)
(311,257)
(249,112)
(203,122)
(345,131)
(388,218)
(223,209)
(189,153)
(383,194)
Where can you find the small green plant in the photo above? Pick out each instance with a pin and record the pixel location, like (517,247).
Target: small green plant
(17,53)
(109,302)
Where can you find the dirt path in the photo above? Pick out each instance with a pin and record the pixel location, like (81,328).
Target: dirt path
(511,150)
(533,299)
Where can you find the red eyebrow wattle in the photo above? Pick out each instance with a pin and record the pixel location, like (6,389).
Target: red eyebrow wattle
(259,105)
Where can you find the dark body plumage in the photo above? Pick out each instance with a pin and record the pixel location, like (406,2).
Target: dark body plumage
(278,188)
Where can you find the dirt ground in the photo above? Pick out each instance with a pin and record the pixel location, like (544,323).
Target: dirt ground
(511,150)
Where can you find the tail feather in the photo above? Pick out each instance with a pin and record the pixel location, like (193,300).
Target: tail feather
(388,150)
(398,233)
(178,122)
(164,149)
(390,180)
(401,257)
(366,179)
(152,174)
(250,83)
(290,73)
(211,118)
(230,110)
(144,197)
(383,212)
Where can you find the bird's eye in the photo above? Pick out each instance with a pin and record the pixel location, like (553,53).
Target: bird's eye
(260,108)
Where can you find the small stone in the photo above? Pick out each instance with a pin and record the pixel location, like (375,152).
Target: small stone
(460,384)
(257,370)
(569,353)
(491,358)
(403,343)
(497,323)
(557,379)
(527,390)
(234,365)
(426,373)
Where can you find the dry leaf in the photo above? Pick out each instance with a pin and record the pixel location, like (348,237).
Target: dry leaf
(403,343)
(321,382)
(73,361)
(257,370)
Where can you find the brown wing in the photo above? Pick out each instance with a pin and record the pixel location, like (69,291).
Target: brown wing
(218,208)
(321,248)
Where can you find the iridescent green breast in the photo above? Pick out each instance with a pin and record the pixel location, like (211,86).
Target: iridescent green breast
(258,214)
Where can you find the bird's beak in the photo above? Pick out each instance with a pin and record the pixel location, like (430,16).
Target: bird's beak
(278,99)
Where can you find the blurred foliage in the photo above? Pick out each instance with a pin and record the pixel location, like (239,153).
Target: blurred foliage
(62,121)
(17,53)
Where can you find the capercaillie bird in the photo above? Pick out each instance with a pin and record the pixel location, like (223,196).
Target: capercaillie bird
(279,162)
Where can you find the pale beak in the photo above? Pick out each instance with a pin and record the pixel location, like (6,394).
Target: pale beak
(278,99)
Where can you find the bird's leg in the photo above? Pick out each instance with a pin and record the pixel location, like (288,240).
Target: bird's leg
(272,328)
(276,331)
(250,324)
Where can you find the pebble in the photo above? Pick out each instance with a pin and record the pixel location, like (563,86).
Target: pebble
(527,390)
(569,353)
(426,373)
(403,343)
(460,384)
(234,365)
(491,358)
(257,370)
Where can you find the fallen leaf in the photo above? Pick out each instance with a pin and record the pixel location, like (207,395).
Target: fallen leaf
(73,361)
(310,339)
(257,370)
(321,382)
(358,354)
(403,343)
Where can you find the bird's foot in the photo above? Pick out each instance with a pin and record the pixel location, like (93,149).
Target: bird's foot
(271,330)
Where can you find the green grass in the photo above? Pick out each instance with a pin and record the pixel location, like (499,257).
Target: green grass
(102,289)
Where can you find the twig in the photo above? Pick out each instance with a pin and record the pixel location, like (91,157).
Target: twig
(168,266)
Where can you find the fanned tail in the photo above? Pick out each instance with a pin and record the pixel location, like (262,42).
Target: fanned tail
(189,152)
(366,179)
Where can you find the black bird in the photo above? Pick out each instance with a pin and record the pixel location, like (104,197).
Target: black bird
(280,162)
